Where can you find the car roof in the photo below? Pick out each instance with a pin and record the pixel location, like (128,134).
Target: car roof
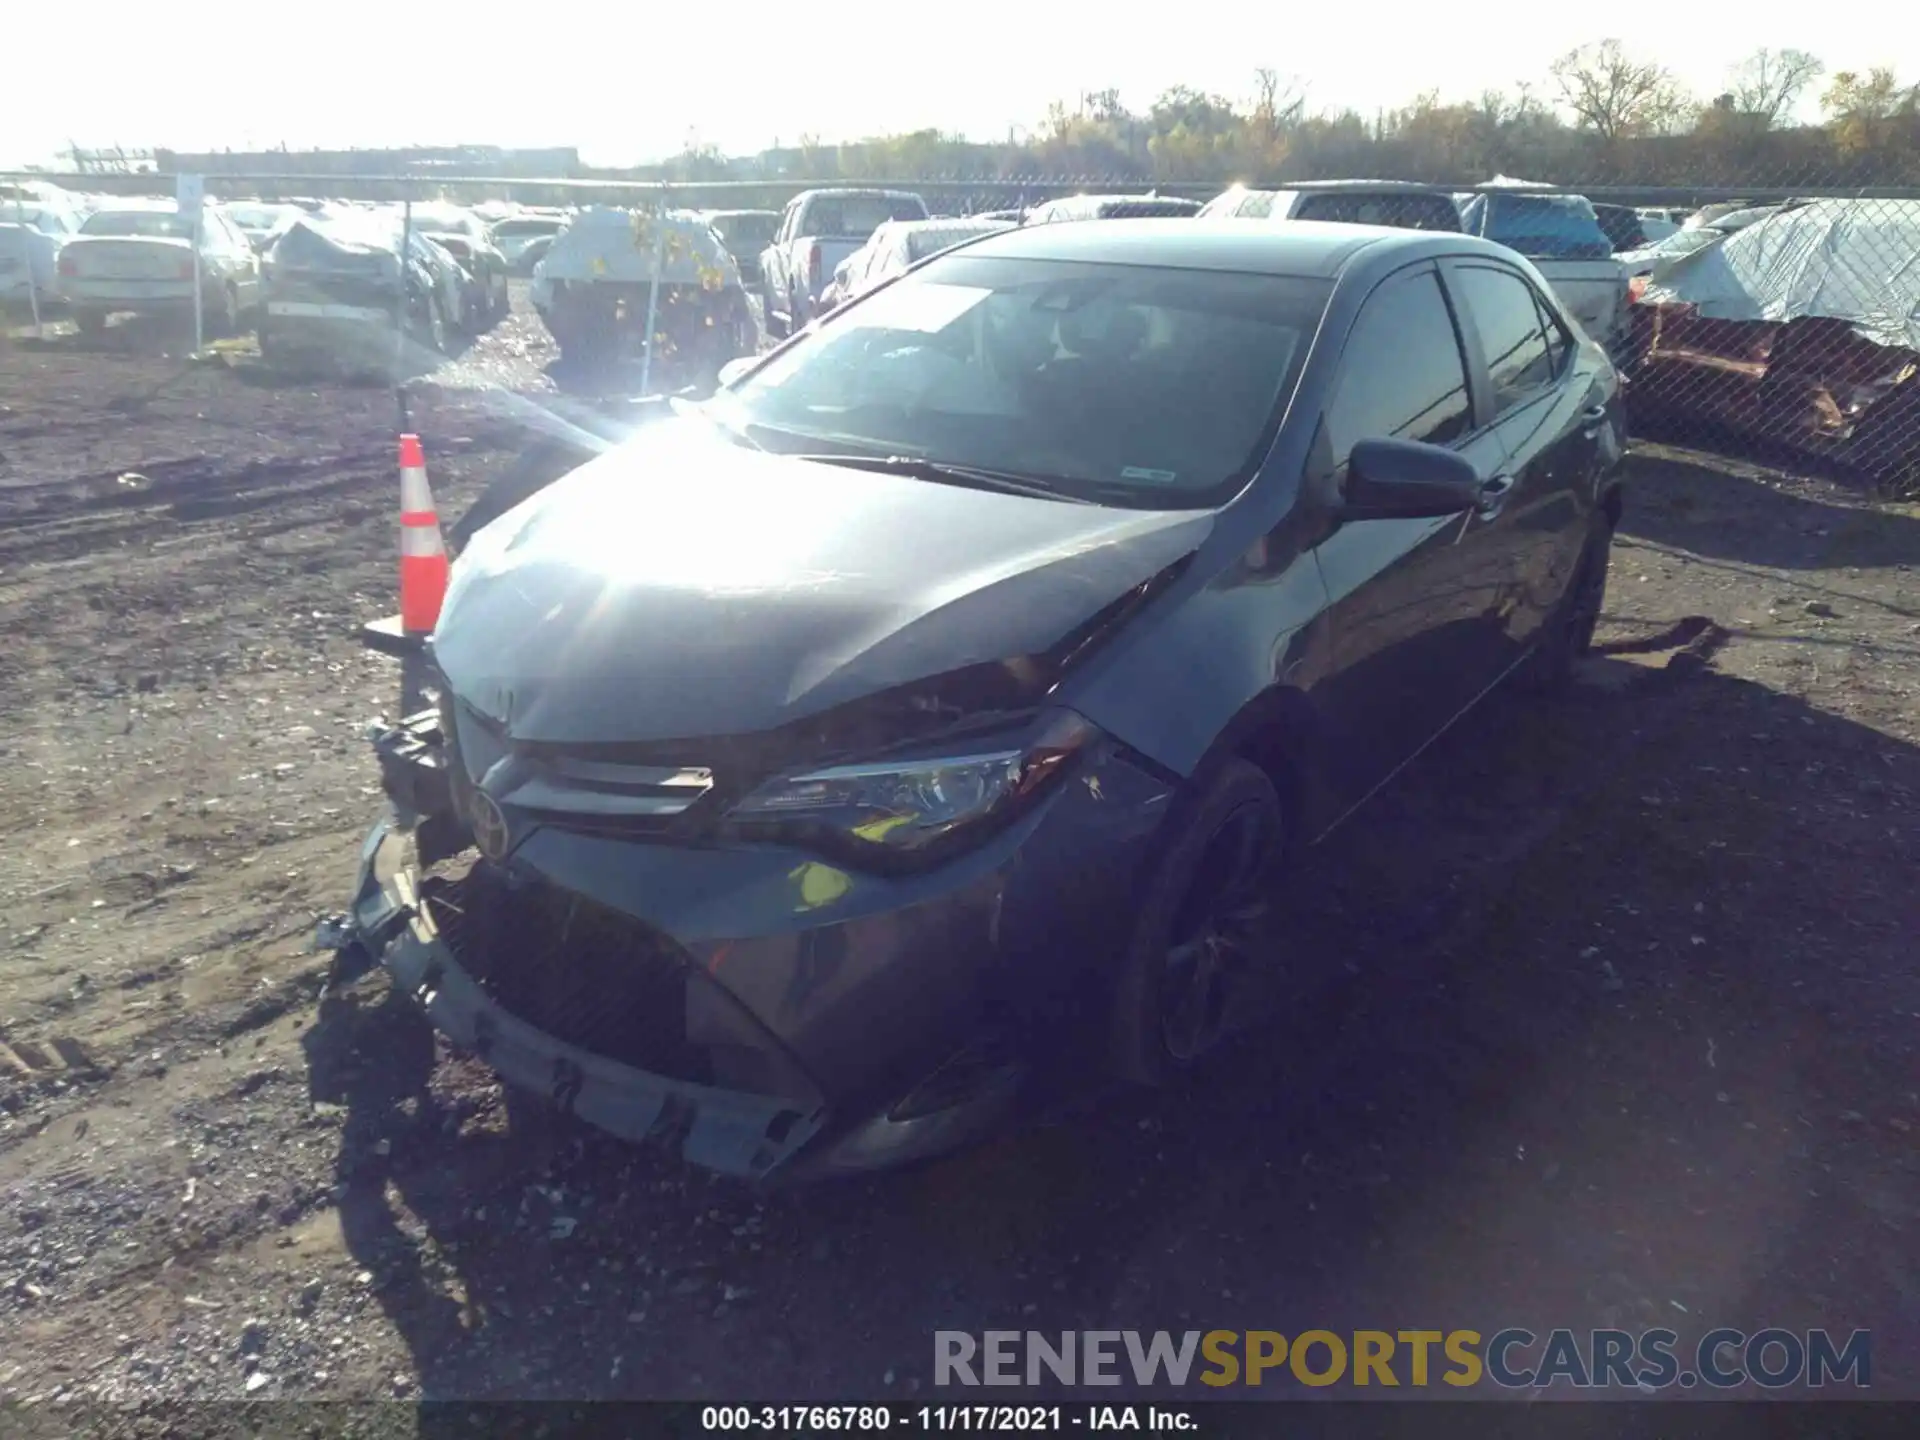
(861,190)
(1307,248)
(1396,187)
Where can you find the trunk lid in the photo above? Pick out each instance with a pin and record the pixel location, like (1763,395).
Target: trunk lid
(128,257)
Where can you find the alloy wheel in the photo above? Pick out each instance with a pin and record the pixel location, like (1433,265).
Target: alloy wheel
(1215,930)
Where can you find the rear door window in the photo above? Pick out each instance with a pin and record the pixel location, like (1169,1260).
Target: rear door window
(1504,313)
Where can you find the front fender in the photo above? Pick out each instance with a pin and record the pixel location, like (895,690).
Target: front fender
(1189,667)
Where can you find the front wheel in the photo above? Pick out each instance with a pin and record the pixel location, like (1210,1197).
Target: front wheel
(1200,923)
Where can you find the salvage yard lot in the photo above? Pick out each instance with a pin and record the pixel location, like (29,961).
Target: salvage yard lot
(1622,1025)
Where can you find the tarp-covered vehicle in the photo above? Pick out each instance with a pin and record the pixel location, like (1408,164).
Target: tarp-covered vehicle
(1802,329)
(597,284)
(333,289)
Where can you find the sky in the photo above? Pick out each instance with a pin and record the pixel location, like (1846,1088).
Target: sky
(632,83)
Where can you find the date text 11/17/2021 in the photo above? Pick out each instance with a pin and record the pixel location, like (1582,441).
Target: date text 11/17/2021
(941,1419)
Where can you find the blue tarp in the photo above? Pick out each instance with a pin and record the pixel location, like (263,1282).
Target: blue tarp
(1548,227)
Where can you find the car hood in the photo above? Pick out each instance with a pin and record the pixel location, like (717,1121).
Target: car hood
(684,586)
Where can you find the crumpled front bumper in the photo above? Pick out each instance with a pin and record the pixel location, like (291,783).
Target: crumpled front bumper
(730,1131)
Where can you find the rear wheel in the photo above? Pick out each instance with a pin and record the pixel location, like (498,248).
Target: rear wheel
(1200,923)
(90,322)
(1568,633)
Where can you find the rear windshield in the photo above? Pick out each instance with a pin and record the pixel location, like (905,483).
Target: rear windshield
(1128,384)
(746,232)
(1400,212)
(362,248)
(856,217)
(1147,209)
(1550,227)
(152,224)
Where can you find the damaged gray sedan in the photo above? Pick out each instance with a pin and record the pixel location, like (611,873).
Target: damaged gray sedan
(811,770)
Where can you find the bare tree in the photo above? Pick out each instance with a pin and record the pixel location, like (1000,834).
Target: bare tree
(1769,83)
(1615,95)
(1278,101)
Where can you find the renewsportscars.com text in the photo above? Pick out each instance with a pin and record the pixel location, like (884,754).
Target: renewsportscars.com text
(1512,1358)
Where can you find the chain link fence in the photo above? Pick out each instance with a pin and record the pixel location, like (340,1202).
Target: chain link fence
(1776,316)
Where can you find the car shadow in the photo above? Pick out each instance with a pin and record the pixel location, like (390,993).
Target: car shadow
(1562,1040)
(1733,510)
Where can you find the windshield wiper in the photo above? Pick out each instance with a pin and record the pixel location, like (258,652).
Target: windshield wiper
(699,410)
(1003,482)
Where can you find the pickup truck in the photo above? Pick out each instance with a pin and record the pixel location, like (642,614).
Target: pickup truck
(1562,236)
(820,229)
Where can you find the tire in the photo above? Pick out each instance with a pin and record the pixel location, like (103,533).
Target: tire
(773,327)
(1568,633)
(1199,916)
(90,323)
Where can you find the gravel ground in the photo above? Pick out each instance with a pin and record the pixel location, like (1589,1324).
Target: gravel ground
(1608,1012)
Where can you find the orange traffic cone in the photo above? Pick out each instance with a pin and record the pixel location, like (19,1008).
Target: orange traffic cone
(423,553)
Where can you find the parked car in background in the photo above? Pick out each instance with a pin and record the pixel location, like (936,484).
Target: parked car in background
(819,229)
(337,287)
(138,257)
(259,221)
(1400,205)
(485,300)
(484,267)
(896,247)
(513,235)
(1562,236)
(1111,207)
(30,241)
(1058,593)
(745,233)
(533,253)
(600,280)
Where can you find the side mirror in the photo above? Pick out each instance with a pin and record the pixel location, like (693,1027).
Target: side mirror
(736,367)
(1408,480)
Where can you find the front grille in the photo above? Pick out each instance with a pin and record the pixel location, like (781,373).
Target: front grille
(570,967)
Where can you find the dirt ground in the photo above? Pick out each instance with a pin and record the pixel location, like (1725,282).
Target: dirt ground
(1620,1024)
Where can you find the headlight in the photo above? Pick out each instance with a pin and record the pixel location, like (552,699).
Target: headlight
(910,807)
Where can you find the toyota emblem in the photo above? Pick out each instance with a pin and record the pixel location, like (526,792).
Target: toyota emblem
(490,830)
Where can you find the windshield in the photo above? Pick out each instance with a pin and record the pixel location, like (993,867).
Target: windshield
(150,224)
(1141,386)
(259,217)
(447,222)
(858,216)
